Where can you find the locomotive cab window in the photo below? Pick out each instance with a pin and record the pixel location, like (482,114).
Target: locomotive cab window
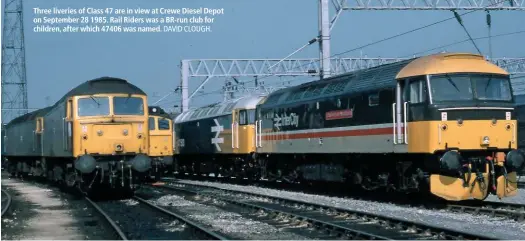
(417,92)
(151,123)
(93,106)
(128,106)
(246,117)
(163,124)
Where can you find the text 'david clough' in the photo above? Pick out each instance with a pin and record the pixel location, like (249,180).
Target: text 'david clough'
(125,20)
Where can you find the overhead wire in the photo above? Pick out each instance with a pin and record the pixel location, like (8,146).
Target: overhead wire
(460,21)
(399,35)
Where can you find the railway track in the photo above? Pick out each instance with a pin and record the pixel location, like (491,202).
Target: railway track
(6,202)
(139,223)
(116,228)
(338,222)
(195,226)
(494,209)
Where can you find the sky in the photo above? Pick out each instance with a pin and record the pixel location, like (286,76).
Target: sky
(57,62)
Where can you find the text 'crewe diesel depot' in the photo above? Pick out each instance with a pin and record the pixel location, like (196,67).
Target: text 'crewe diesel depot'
(90,19)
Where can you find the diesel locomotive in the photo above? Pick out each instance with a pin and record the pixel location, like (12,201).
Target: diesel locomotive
(443,124)
(161,141)
(218,139)
(94,136)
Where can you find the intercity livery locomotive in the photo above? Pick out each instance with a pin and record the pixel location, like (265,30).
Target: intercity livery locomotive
(96,135)
(443,124)
(161,141)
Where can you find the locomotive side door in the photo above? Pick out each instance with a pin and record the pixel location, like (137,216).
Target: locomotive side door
(38,143)
(67,131)
(410,105)
(399,113)
(235,131)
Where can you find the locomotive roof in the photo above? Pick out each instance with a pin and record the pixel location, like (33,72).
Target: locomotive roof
(449,63)
(382,76)
(356,81)
(103,85)
(30,116)
(219,109)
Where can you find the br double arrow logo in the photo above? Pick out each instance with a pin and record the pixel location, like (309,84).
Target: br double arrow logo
(216,140)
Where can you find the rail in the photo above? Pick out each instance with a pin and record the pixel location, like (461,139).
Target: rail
(511,210)
(115,227)
(387,223)
(195,225)
(5,206)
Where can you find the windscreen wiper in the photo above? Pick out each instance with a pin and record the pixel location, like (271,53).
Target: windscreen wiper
(488,82)
(452,83)
(94,100)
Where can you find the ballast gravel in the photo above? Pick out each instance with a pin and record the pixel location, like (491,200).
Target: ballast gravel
(232,224)
(139,221)
(500,228)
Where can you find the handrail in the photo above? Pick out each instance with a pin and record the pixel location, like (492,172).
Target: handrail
(237,134)
(233,139)
(405,123)
(256,134)
(394,121)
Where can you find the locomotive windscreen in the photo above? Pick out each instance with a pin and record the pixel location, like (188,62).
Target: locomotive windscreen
(93,106)
(465,87)
(128,106)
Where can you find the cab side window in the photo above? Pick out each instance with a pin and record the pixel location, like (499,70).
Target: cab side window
(243,117)
(164,124)
(417,92)
(151,123)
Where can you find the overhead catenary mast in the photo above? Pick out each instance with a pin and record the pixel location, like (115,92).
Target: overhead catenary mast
(14,82)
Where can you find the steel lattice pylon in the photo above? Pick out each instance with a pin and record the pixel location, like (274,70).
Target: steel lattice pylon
(14,83)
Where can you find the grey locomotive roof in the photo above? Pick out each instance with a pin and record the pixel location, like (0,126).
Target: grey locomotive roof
(30,116)
(356,81)
(103,85)
(219,109)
